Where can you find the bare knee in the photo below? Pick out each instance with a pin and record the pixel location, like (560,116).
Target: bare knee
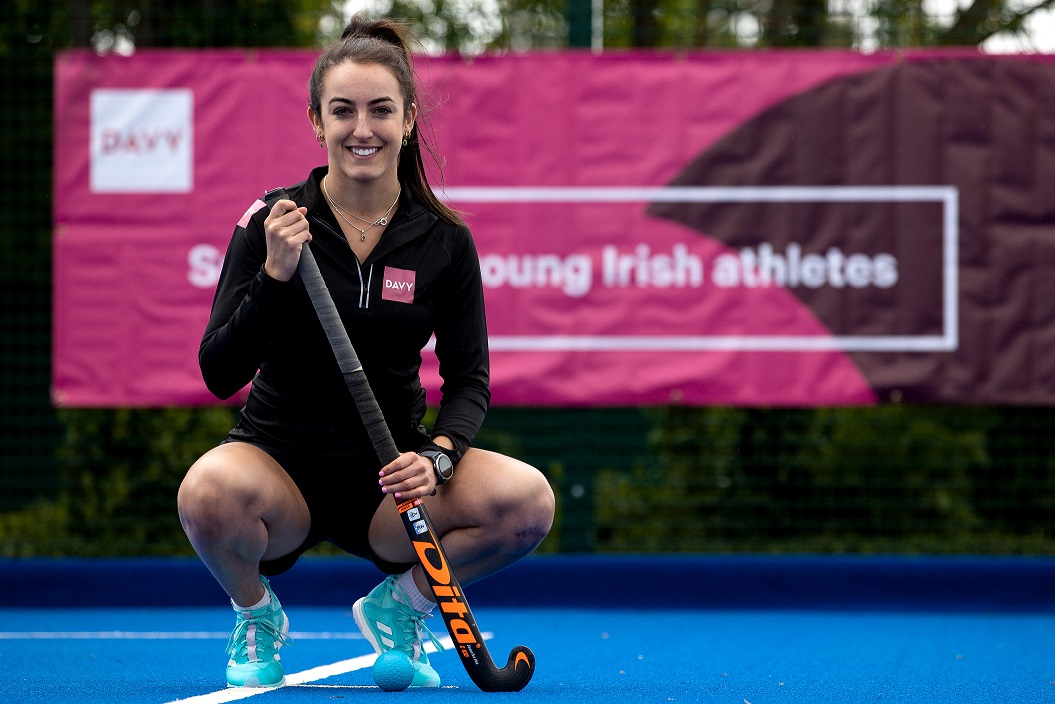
(207,501)
(495,511)
(227,488)
(526,516)
(542,507)
(236,502)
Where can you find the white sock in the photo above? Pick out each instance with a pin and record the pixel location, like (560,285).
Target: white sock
(418,601)
(259,605)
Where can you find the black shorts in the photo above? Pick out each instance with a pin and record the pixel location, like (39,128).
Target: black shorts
(342,495)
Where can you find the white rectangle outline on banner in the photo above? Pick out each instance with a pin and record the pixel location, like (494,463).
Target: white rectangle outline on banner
(948,196)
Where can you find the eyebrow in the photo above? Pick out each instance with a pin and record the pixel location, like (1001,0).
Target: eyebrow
(375,101)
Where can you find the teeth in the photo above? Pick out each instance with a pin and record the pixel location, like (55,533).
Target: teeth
(363,151)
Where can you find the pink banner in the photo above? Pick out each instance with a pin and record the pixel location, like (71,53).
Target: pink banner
(714,228)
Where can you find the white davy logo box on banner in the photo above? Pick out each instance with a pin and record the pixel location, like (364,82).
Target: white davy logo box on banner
(142,141)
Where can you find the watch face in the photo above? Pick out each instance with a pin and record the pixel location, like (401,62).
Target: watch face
(444,465)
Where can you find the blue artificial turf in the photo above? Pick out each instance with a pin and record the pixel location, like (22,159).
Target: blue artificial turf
(633,629)
(583,655)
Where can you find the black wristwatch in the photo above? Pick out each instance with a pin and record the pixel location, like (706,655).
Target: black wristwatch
(441,464)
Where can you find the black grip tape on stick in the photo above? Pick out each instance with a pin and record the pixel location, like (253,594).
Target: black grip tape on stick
(457,617)
(347,359)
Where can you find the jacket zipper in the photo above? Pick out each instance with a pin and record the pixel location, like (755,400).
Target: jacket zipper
(364,285)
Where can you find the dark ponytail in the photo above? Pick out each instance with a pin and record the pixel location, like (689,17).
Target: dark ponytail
(386,42)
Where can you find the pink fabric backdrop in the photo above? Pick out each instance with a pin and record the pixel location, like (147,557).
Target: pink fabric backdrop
(134,271)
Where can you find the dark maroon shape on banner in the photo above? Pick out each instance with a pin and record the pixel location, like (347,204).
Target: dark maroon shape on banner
(985,126)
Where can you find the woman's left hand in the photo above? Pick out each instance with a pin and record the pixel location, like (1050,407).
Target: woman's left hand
(409,476)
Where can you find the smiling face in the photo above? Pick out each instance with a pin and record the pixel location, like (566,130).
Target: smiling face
(363,121)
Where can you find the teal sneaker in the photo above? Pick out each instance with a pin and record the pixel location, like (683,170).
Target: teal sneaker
(254,645)
(393,625)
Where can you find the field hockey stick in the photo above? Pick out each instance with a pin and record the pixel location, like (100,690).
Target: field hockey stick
(444,584)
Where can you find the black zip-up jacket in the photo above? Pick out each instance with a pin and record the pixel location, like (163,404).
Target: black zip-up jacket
(266,331)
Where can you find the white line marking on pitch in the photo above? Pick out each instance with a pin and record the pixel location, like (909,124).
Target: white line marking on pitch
(302,678)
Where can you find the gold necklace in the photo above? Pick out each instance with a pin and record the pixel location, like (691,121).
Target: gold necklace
(383,220)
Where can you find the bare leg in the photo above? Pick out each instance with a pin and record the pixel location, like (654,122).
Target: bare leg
(239,507)
(494,512)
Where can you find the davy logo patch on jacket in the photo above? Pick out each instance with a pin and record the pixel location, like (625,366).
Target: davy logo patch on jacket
(399,285)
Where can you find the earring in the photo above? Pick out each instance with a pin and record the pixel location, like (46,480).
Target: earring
(405,138)
(322,140)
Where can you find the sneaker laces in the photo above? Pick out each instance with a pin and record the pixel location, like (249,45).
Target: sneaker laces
(239,639)
(413,621)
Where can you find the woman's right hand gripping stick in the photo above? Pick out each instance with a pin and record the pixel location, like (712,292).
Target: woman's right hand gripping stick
(286,231)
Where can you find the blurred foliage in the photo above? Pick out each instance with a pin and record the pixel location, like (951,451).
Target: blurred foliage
(883,479)
(124,24)
(890,479)
(120,470)
(472,26)
(887,479)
